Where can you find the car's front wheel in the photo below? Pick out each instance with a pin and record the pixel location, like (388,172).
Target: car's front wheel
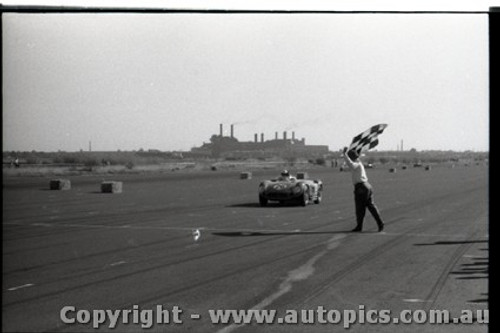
(262,201)
(318,198)
(304,200)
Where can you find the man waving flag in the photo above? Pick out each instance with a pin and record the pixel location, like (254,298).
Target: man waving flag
(367,140)
(363,190)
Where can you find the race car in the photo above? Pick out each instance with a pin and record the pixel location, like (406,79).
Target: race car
(302,191)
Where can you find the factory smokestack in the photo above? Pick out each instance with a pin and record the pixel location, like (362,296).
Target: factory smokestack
(276,136)
(261,137)
(232,131)
(293,136)
(284,135)
(221,130)
(256,137)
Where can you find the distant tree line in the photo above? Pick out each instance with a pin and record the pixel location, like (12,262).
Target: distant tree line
(432,157)
(126,158)
(152,157)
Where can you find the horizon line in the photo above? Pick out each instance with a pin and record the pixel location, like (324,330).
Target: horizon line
(189,151)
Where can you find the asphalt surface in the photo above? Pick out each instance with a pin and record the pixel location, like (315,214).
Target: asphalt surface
(136,250)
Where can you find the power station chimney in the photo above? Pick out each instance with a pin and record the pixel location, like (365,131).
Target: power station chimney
(261,137)
(284,135)
(221,130)
(293,136)
(276,136)
(256,137)
(401,144)
(232,131)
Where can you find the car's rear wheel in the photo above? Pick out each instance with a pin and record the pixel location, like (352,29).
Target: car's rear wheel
(262,201)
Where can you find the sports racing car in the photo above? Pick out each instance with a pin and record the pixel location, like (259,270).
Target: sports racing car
(302,191)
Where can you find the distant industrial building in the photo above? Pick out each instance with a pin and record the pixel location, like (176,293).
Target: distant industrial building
(230,147)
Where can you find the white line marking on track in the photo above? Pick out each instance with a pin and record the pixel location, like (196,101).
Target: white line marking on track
(416,300)
(21,287)
(118,263)
(42,224)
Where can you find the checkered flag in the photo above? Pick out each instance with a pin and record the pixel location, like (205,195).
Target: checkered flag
(367,140)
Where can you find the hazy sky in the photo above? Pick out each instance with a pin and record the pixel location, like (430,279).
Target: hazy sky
(166,81)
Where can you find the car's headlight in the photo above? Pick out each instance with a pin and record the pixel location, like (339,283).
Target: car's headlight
(297,189)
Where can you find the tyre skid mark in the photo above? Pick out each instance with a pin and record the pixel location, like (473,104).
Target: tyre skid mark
(355,265)
(443,277)
(296,275)
(156,297)
(161,266)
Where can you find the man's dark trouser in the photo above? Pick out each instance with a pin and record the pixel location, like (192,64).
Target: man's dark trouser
(363,197)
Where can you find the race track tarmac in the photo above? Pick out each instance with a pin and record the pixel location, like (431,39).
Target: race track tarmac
(136,250)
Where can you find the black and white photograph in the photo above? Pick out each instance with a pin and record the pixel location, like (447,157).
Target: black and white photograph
(218,166)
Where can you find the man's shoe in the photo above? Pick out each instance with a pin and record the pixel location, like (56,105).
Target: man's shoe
(380,227)
(357,229)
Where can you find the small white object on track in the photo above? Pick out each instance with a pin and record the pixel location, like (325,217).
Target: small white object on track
(196,234)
